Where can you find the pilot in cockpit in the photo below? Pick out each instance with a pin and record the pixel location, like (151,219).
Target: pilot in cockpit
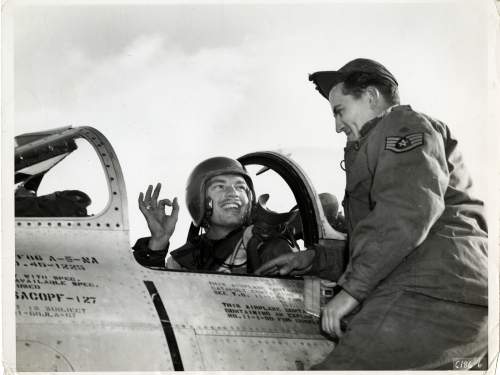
(221,200)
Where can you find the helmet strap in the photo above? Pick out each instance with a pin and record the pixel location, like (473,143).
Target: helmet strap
(248,214)
(209,209)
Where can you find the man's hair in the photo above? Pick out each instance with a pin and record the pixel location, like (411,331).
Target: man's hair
(356,84)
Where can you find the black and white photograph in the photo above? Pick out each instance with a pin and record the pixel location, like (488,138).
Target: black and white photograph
(250,186)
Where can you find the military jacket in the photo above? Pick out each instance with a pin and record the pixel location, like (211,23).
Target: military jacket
(411,219)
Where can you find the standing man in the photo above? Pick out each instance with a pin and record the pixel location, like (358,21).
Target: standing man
(414,294)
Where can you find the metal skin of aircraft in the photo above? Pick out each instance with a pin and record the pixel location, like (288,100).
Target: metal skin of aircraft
(84,304)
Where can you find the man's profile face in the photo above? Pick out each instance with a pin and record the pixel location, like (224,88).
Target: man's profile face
(230,203)
(350,113)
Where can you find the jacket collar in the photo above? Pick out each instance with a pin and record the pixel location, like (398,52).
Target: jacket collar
(205,254)
(374,121)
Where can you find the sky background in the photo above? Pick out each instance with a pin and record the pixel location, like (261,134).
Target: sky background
(172,84)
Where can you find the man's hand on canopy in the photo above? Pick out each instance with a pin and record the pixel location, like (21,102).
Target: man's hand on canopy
(288,264)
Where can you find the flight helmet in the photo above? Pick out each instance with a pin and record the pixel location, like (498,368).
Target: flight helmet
(196,186)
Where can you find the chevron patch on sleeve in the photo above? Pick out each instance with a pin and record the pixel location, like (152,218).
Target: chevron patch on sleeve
(404,143)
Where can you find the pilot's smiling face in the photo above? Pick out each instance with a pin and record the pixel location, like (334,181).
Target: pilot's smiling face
(350,113)
(230,200)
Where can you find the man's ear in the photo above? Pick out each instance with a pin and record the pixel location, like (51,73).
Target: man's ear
(373,96)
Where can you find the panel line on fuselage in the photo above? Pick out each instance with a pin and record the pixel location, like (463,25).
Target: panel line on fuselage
(167,326)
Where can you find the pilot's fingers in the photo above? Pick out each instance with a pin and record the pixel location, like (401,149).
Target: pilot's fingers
(163,203)
(147,198)
(175,209)
(156,193)
(142,204)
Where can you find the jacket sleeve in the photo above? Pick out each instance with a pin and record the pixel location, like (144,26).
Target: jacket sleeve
(330,260)
(409,178)
(147,257)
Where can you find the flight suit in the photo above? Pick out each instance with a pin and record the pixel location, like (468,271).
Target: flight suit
(200,253)
(203,254)
(417,249)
